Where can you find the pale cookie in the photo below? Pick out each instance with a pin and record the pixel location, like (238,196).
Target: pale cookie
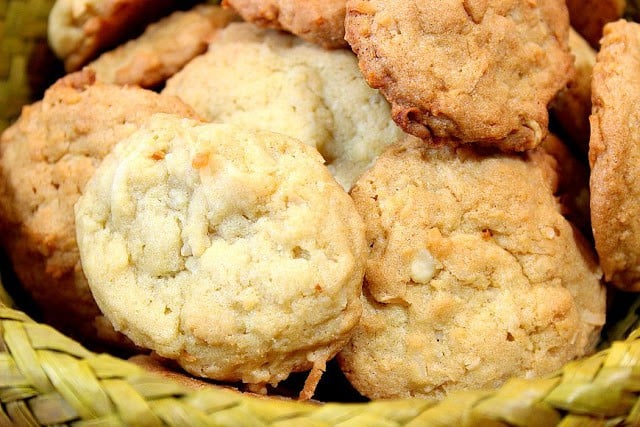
(163,49)
(473,274)
(46,157)
(317,21)
(78,30)
(572,105)
(261,78)
(478,72)
(614,154)
(589,17)
(232,251)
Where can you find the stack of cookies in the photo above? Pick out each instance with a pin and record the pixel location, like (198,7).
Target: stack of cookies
(434,194)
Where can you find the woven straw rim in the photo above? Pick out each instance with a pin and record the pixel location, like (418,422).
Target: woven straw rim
(47,378)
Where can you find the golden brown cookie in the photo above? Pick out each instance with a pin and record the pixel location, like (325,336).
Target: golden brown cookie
(317,21)
(589,17)
(46,157)
(232,251)
(572,105)
(80,29)
(164,47)
(614,154)
(466,72)
(278,82)
(473,275)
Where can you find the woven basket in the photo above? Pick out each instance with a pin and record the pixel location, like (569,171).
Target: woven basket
(27,65)
(47,378)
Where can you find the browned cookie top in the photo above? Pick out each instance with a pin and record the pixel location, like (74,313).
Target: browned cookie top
(614,154)
(473,274)
(317,21)
(475,71)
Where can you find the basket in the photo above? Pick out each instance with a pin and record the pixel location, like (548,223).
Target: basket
(46,378)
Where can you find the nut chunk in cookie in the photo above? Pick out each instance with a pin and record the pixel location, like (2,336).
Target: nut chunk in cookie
(46,158)
(317,21)
(473,275)
(465,71)
(233,252)
(614,154)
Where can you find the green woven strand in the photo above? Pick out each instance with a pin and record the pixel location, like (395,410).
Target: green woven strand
(453,411)
(20,415)
(25,356)
(5,299)
(174,412)
(51,408)
(11,375)
(633,418)
(582,421)
(107,366)
(44,337)
(131,406)
(23,26)
(110,421)
(77,383)
(520,403)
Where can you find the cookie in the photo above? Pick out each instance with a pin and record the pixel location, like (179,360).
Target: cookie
(78,30)
(473,275)
(614,154)
(46,157)
(465,72)
(318,21)
(230,250)
(163,49)
(278,82)
(589,17)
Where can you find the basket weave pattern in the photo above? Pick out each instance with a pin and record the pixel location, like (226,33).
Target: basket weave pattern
(23,27)
(46,379)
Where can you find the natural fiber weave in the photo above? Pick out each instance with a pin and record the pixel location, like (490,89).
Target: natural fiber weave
(23,32)
(49,379)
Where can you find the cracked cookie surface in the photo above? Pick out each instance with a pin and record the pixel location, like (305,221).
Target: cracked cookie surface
(473,275)
(614,154)
(477,72)
(232,251)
